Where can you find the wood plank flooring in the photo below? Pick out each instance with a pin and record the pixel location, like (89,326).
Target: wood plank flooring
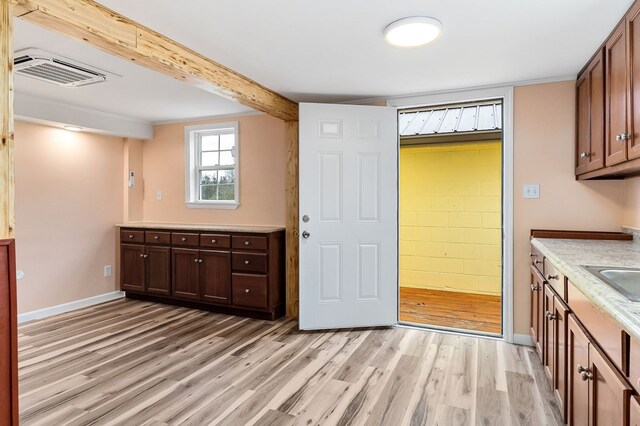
(467,311)
(139,363)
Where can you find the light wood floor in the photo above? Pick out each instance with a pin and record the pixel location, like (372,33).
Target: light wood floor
(467,311)
(139,363)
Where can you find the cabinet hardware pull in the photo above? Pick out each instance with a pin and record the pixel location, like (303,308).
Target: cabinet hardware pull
(246,290)
(246,243)
(141,255)
(619,138)
(585,154)
(246,262)
(552,277)
(184,238)
(213,241)
(195,260)
(130,236)
(623,137)
(200,260)
(587,375)
(581,369)
(550,316)
(535,287)
(532,255)
(145,256)
(156,237)
(537,262)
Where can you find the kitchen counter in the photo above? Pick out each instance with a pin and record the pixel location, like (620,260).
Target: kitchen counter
(568,256)
(202,227)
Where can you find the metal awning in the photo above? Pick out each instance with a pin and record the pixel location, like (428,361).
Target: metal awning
(470,118)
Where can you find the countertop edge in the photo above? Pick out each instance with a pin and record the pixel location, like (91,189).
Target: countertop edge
(257,229)
(617,313)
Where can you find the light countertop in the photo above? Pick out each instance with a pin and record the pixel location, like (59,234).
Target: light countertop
(568,256)
(202,227)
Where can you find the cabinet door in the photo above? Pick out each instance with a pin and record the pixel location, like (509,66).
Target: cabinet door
(591,117)
(560,316)
(578,395)
(616,97)
(185,282)
(159,270)
(634,411)
(537,291)
(215,276)
(609,393)
(633,38)
(132,267)
(548,343)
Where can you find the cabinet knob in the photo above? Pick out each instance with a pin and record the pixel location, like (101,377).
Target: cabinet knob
(141,255)
(184,238)
(246,243)
(535,287)
(623,137)
(200,260)
(195,260)
(130,236)
(585,154)
(246,262)
(156,237)
(532,255)
(550,316)
(537,262)
(552,277)
(585,374)
(246,290)
(213,241)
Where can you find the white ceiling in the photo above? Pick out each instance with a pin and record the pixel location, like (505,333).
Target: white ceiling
(333,50)
(139,94)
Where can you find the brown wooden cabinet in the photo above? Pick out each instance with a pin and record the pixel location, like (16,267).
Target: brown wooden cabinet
(537,312)
(616,97)
(590,117)
(8,335)
(556,313)
(234,272)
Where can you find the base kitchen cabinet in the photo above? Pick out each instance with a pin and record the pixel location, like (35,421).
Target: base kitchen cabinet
(634,411)
(240,273)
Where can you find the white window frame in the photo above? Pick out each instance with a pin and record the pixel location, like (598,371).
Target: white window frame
(191,171)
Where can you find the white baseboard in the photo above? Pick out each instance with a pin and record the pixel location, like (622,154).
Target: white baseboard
(522,339)
(68,307)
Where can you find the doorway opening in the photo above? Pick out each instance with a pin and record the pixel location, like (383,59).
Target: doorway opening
(451,218)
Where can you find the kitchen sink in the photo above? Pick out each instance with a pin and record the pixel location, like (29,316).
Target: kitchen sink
(624,280)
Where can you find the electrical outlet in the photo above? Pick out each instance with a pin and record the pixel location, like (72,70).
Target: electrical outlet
(531,190)
(159,195)
(19,274)
(107,270)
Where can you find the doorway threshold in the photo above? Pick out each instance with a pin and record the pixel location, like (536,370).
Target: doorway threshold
(449,330)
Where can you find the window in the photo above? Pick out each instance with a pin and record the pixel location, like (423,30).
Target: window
(211,172)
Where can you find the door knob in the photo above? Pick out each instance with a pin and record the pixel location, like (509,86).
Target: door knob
(305,218)
(305,234)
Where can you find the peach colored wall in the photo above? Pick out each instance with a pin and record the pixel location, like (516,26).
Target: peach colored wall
(134,197)
(69,195)
(262,173)
(632,207)
(544,143)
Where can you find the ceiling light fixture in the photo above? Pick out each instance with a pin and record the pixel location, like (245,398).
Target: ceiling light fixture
(73,128)
(415,31)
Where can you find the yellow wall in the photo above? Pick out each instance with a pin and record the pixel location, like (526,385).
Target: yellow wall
(450,217)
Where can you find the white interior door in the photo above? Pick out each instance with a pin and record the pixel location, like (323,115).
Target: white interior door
(348,216)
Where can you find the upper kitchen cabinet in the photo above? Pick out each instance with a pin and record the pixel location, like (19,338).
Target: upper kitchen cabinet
(590,129)
(617,64)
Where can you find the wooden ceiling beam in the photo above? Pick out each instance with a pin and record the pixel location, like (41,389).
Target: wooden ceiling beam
(88,21)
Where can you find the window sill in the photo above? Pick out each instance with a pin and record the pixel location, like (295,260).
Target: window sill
(212,205)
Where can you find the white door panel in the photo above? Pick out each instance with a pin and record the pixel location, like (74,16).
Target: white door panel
(348,190)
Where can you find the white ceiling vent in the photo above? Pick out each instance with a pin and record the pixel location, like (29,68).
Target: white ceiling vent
(55,69)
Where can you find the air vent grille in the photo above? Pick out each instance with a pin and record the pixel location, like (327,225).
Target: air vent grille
(47,68)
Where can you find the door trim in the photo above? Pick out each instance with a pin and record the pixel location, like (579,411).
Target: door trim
(506,94)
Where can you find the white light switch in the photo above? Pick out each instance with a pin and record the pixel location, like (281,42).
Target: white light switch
(107,270)
(159,195)
(531,190)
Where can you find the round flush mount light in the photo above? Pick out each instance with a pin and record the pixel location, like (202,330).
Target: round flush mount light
(415,31)
(73,128)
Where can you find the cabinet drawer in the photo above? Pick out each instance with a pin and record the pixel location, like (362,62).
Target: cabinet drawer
(555,279)
(130,236)
(250,262)
(215,240)
(249,242)
(250,290)
(185,239)
(634,364)
(537,259)
(153,237)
